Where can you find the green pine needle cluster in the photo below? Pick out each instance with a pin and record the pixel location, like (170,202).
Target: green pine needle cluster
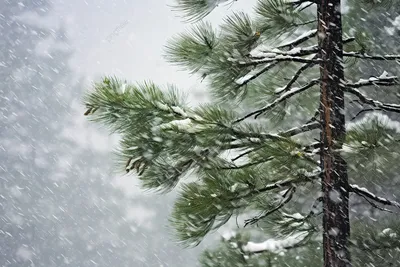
(265,166)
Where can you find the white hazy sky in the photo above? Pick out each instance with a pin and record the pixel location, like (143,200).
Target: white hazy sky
(126,38)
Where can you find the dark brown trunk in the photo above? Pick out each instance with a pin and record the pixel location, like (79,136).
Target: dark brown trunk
(336,227)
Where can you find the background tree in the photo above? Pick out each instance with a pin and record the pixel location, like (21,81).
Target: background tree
(249,163)
(58,208)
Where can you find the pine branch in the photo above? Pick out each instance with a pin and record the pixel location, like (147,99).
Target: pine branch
(287,197)
(250,77)
(304,128)
(373,57)
(298,3)
(363,111)
(306,36)
(280,184)
(247,164)
(382,106)
(380,81)
(314,207)
(297,52)
(246,153)
(291,132)
(272,245)
(278,58)
(295,77)
(361,191)
(282,98)
(301,39)
(195,10)
(375,206)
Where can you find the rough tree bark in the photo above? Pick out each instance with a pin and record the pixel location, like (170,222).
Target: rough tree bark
(336,224)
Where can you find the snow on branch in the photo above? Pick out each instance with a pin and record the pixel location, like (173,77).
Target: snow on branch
(278,58)
(301,129)
(364,192)
(254,74)
(280,99)
(373,57)
(297,51)
(383,80)
(364,99)
(276,246)
(302,38)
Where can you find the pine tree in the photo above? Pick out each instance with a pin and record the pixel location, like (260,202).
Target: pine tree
(238,156)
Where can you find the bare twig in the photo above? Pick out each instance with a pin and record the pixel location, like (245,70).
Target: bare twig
(302,38)
(258,73)
(373,57)
(382,106)
(363,111)
(376,206)
(381,81)
(361,191)
(282,98)
(278,58)
(287,197)
(295,77)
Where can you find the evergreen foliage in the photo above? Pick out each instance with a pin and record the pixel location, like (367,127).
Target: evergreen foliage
(261,162)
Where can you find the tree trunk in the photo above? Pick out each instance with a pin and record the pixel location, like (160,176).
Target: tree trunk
(336,225)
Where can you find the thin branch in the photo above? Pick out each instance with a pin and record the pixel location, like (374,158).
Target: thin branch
(295,77)
(295,52)
(306,22)
(373,57)
(314,207)
(302,38)
(361,191)
(348,40)
(314,118)
(291,132)
(287,197)
(363,111)
(304,128)
(376,206)
(282,98)
(279,185)
(257,74)
(364,99)
(298,3)
(380,81)
(247,164)
(246,153)
(278,58)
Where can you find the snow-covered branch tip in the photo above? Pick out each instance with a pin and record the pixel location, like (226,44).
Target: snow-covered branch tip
(277,246)
(280,99)
(364,192)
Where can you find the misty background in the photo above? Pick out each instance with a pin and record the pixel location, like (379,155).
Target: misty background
(61,202)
